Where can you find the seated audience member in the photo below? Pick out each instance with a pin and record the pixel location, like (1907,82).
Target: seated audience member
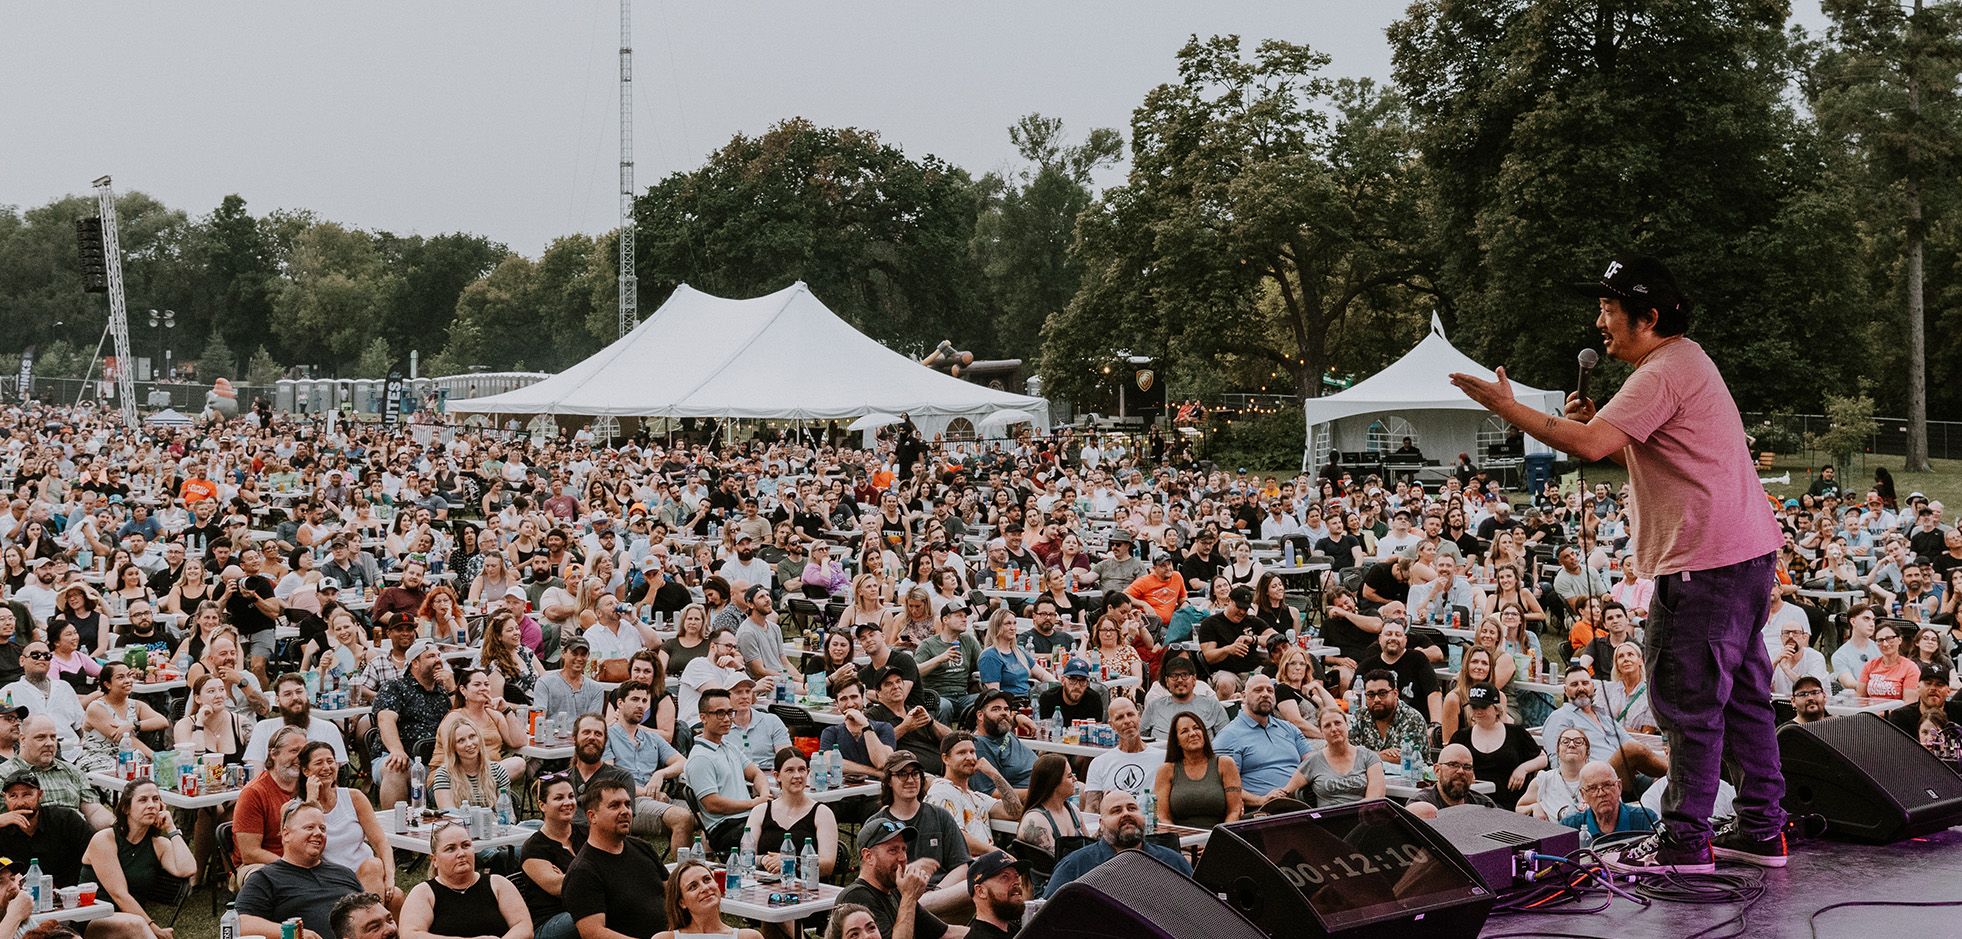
(61,783)
(114,718)
(650,762)
(1602,810)
(409,709)
(1131,766)
(1809,701)
(913,727)
(1122,828)
(1795,658)
(996,742)
(1893,675)
(864,743)
(301,882)
(1455,776)
(41,694)
(793,814)
(694,905)
(354,833)
(1180,679)
(1210,797)
(1231,639)
(568,691)
(1502,754)
(1416,675)
(547,854)
(760,733)
(889,887)
(718,669)
(1555,792)
(997,883)
(1630,757)
(1386,723)
(130,860)
(33,828)
(1072,696)
(1265,748)
(257,822)
(726,784)
(1051,818)
(1934,701)
(362,916)
(1339,772)
(294,710)
(970,807)
(457,900)
(940,839)
(614,885)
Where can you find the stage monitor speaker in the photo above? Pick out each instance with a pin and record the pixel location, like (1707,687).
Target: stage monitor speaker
(1870,780)
(1368,870)
(1137,896)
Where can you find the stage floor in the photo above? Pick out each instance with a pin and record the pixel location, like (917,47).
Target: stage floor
(1820,873)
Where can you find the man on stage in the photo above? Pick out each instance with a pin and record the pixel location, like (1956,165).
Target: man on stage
(1704,532)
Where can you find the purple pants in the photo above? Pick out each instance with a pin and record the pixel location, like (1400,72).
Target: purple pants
(1710,683)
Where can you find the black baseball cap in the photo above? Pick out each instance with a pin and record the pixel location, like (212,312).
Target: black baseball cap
(1633,277)
(880,830)
(1242,597)
(1482,695)
(1934,673)
(988,865)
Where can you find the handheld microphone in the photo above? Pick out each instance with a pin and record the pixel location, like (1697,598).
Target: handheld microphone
(1588,359)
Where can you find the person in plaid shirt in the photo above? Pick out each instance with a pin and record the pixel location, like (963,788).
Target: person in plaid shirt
(1385,722)
(61,783)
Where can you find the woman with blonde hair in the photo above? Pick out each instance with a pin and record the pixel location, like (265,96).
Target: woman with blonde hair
(913,622)
(1480,666)
(866,606)
(1298,694)
(1004,664)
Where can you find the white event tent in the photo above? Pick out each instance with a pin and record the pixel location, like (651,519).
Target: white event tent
(784,356)
(1413,397)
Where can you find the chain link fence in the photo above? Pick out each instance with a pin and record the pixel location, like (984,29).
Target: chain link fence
(1787,433)
(188,397)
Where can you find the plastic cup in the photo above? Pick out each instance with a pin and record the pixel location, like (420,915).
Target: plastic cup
(87,894)
(70,897)
(721,880)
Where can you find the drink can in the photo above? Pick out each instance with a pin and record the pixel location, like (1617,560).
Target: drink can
(290,929)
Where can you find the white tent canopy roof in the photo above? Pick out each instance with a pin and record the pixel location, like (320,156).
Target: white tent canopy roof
(781,356)
(1421,380)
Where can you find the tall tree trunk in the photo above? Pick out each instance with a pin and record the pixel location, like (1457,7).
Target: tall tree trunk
(1917,430)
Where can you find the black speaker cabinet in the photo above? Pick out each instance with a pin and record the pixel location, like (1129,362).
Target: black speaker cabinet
(1137,896)
(1358,871)
(1870,779)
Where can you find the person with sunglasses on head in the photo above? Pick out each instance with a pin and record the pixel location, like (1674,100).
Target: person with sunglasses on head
(458,900)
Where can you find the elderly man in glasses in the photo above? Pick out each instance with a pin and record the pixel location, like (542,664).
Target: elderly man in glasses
(1604,812)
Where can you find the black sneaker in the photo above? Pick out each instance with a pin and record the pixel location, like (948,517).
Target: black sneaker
(1734,844)
(1657,855)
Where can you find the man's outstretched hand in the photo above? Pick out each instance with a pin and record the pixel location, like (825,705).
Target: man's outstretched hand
(1490,394)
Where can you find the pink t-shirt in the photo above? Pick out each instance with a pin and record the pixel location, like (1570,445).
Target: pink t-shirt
(1697,501)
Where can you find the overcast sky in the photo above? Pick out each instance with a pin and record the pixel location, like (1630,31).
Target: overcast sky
(500,118)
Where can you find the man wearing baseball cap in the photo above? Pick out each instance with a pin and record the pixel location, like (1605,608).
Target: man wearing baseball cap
(1118,571)
(889,887)
(1161,589)
(995,881)
(1705,534)
(1072,696)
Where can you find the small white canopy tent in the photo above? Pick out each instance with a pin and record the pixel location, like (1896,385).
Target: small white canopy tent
(784,356)
(1413,397)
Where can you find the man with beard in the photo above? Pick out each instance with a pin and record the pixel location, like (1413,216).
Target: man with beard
(362,916)
(651,762)
(996,742)
(411,708)
(1605,736)
(1266,750)
(615,884)
(55,834)
(890,888)
(1231,638)
(1809,701)
(759,641)
(1181,679)
(300,883)
(913,727)
(1386,722)
(403,599)
(589,739)
(1416,676)
(746,566)
(969,806)
(1123,828)
(994,880)
(1455,776)
(290,690)
(171,572)
(255,825)
(1934,704)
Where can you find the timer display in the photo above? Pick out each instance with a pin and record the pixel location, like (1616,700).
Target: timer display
(1359,863)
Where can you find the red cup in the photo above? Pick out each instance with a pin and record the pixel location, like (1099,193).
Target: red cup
(721,880)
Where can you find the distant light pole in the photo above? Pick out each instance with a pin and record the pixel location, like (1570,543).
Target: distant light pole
(167,320)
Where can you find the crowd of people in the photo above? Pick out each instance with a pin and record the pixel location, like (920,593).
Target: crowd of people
(441,583)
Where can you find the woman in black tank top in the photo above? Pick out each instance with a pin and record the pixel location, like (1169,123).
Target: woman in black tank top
(456,900)
(793,812)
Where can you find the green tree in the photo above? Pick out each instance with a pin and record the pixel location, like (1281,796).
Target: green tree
(334,295)
(262,368)
(430,273)
(375,362)
(1558,134)
(1885,89)
(879,238)
(1849,428)
(1028,219)
(1265,204)
(240,266)
(61,360)
(216,360)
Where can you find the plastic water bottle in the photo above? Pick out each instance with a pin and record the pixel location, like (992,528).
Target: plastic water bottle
(228,926)
(125,758)
(700,852)
(787,855)
(837,769)
(734,879)
(820,772)
(748,856)
(418,779)
(507,814)
(32,882)
(808,865)
(1409,754)
(1287,554)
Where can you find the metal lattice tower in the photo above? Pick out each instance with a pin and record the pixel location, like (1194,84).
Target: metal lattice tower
(629,285)
(112,256)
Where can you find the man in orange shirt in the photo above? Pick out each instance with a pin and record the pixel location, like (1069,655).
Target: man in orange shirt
(1162,589)
(197,488)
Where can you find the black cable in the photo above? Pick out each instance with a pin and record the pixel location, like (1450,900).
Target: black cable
(1812,921)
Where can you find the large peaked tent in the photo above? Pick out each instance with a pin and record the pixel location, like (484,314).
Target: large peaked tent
(1412,397)
(784,356)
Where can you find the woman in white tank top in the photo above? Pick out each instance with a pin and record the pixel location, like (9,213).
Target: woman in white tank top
(354,833)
